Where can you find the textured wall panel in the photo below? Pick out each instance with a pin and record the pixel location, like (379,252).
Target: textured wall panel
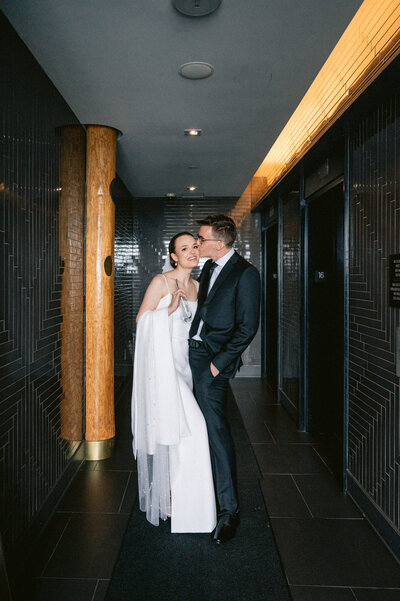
(123,285)
(32,454)
(290,308)
(155,221)
(374,388)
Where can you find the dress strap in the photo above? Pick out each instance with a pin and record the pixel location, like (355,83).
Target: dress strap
(166,283)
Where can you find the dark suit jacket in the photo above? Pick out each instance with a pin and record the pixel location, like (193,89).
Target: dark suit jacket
(230,312)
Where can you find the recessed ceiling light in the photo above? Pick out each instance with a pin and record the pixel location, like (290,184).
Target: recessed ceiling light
(193,132)
(196,70)
(193,167)
(191,188)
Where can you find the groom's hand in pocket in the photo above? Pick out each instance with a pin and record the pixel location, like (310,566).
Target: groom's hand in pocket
(214,370)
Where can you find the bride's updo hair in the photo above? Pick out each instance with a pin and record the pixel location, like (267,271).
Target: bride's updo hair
(172,245)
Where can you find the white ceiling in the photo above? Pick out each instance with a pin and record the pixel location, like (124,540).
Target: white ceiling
(116,63)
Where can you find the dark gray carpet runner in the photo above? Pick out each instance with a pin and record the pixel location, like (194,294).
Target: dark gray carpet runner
(155,565)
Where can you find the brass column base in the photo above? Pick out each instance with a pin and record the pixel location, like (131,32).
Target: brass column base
(96,450)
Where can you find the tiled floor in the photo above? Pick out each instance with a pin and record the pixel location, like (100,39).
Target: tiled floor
(82,542)
(328,551)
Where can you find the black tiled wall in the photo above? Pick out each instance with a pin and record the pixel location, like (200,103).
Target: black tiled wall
(290,310)
(123,284)
(374,394)
(373,462)
(32,455)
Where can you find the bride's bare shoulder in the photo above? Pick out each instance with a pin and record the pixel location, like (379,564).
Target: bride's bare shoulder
(156,290)
(196,283)
(162,283)
(157,287)
(158,279)
(157,282)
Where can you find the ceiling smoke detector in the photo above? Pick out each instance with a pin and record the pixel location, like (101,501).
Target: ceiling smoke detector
(196,8)
(196,70)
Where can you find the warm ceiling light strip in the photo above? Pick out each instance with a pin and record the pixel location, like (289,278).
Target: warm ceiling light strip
(369,42)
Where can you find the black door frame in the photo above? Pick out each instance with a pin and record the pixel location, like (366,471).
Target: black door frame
(264,300)
(304,407)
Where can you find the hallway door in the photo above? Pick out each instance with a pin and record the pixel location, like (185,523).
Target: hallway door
(271,305)
(325,336)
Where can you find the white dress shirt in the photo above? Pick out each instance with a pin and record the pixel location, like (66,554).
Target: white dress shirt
(220,263)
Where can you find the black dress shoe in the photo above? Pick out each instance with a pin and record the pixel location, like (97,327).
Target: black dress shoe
(226,528)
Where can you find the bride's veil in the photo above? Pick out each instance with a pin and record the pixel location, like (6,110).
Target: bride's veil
(158,419)
(167,265)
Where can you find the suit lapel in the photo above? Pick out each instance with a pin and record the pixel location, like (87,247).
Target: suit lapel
(226,270)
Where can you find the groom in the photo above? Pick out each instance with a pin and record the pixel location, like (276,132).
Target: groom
(225,322)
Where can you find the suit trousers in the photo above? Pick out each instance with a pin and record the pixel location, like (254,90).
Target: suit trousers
(211,396)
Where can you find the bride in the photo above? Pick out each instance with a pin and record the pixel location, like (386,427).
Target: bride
(169,432)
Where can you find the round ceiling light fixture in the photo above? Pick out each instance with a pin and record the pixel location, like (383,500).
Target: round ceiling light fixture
(193,132)
(196,70)
(196,8)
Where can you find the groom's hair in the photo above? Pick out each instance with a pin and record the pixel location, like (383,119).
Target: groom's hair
(223,226)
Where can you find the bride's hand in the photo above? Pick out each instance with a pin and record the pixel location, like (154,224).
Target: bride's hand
(176,299)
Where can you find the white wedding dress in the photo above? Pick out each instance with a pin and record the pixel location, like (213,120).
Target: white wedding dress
(170,434)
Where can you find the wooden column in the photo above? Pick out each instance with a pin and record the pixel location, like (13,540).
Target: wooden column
(100,226)
(71,232)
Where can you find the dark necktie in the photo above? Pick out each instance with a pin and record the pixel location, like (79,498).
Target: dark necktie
(204,289)
(202,297)
(213,266)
